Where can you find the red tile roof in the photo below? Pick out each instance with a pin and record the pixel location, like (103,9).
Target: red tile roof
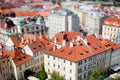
(89,45)
(43,13)
(34,39)
(68,35)
(112,21)
(21,58)
(36,46)
(8,54)
(16,40)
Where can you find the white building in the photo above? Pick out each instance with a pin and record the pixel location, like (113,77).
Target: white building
(30,25)
(7,28)
(63,20)
(73,56)
(111,28)
(94,21)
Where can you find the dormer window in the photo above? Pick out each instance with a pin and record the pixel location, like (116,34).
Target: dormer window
(115,23)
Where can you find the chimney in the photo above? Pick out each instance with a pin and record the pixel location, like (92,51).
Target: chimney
(63,43)
(85,41)
(78,42)
(40,36)
(78,38)
(97,36)
(22,40)
(27,40)
(54,47)
(55,40)
(5,26)
(71,44)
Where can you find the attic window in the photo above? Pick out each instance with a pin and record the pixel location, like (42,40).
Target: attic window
(100,46)
(81,53)
(39,45)
(89,43)
(19,58)
(86,51)
(70,53)
(106,46)
(23,56)
(62,50)
(95,48)
(81,44)
(34,48)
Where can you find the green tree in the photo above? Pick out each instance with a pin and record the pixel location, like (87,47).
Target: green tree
(28,73)
(97,74)
(55,76)
(42,75)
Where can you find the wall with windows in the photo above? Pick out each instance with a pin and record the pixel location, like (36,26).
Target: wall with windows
(115,57)
(110,32)
(4,69)
(21,69)
(65,68)
(38,59)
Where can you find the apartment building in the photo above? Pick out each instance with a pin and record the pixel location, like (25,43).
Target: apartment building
(62,20)
(36,50)
(111,29)
(94,21)
(30,25)
(81,54)
(7,28)
(17,63)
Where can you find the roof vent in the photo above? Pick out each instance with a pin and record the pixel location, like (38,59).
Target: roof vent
(71,44)
(70,53)
(63,43)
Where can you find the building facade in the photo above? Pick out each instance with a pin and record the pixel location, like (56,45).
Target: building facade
(63,20)
(111,29)
(80,54)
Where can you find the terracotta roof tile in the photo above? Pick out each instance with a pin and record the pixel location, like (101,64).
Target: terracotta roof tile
(21,58)
(112,21)
(77,52)
(16,40)
(36,46)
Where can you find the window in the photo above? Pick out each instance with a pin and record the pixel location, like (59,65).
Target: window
(64,60)
(3,61)
(48,64)
(80,63)
(54,65)
(70,78)
(48,56)
(80,77)
(89,73)
(85,68)
(64,68)
(70,63)
(84,75)
(58,66)
(53,58)
(85,60)
(20,68)
(70,71)
(37,28)
(79,70)
(27,29)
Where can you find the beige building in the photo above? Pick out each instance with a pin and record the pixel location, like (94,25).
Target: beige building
(111,28)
